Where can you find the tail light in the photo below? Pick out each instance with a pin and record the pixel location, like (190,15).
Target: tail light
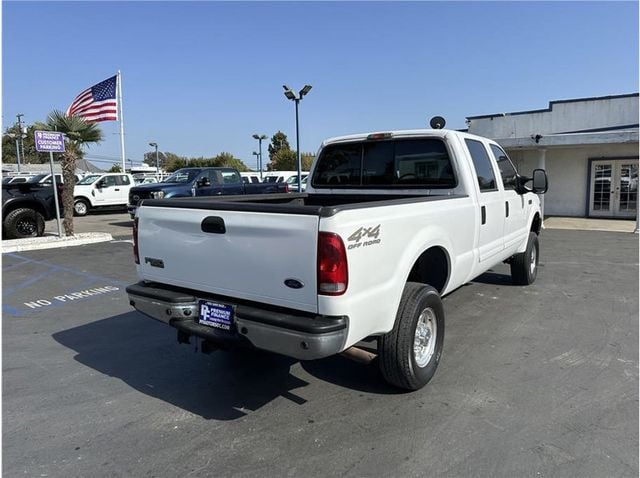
(286,188)
(333,270)
(136,255)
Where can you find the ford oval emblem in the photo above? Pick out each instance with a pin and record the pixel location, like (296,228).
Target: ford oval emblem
(294,283)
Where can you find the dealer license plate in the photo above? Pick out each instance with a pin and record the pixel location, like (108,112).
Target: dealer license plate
(213,314)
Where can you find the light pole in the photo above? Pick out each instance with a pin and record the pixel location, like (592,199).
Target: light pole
(257,155)
(260,137)
(19,135)
(291,95)
(155,145)
(16,136)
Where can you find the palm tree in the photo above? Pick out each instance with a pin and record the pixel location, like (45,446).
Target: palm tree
(78,133)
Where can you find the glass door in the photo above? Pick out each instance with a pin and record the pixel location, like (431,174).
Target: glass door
(614,188)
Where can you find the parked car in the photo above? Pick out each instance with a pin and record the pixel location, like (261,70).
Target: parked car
(251,177)
(196,182)
(293,182)
(390,223)
(26,207)
(15,179)
(105,190)
(281,176)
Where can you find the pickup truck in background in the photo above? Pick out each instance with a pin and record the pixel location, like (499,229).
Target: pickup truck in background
(106,190)
(196,182)
(389,223)
(26,207)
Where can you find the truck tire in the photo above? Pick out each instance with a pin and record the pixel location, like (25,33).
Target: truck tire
(23,222)
(524,266)
(409,354)
(80,207)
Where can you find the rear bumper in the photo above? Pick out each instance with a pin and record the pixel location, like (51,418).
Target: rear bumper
(284,331)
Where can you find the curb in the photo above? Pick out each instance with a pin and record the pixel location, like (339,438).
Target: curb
(52,242)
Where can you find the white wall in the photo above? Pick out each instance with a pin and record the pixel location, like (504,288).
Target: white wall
(563,117)
(567,169)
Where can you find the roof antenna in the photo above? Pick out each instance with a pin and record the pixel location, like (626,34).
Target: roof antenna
(437,122)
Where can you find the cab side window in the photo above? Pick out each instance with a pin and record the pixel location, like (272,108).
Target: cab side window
(109,181)
(507,170)
(482,164)
(122,180)
(230,177)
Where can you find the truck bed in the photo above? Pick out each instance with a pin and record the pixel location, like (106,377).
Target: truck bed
(322,205)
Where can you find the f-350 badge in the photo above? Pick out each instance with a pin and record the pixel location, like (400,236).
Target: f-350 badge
(364,237)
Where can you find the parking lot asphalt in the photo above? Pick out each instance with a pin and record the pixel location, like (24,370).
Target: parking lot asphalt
(534,381)
(115,222)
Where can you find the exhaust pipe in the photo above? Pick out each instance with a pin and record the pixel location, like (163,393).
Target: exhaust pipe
(359,355)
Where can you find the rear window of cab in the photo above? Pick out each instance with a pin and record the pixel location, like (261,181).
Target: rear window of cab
(397,163)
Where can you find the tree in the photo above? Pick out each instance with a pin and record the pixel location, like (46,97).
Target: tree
(78,133)
(116,168)
(163,158)
(286,160)
(278,142)
(28,153)
(222,160)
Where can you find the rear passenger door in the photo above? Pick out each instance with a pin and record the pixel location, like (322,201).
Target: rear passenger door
(490,199)
(516,210)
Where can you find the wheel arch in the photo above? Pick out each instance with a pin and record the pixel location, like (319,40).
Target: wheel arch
(432,267)
(536,224)
(84,198)
(28,204)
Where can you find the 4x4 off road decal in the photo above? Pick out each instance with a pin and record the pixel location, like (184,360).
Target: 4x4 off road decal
(364,237)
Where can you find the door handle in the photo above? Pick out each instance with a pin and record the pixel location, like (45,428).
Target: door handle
(484,214)
(213,224)
(506,204)
(117,189)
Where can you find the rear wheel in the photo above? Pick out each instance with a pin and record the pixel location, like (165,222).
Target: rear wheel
(524,266)
(23,222)
(80,207)
(410,353)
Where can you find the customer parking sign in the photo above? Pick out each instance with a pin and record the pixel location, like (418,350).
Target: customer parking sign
(49,142)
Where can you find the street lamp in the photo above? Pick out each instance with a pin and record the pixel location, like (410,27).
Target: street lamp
(260,137)
(155,145)
(291,95)
(257,155)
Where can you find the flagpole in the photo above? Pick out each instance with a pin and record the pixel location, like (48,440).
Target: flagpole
(121,117)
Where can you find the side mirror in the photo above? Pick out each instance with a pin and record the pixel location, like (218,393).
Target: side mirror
(100,184)
(540,182)
(203,182)
(539,185)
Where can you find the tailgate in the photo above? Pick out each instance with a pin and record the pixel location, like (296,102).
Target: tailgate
(251,259)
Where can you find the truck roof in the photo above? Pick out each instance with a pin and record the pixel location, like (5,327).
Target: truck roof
(397,133)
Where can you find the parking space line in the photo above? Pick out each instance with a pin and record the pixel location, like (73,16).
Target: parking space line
(11,290)
(55,267)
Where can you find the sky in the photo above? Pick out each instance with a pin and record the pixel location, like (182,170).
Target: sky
(200,78)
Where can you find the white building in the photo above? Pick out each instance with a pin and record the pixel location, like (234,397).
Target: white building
(588,146)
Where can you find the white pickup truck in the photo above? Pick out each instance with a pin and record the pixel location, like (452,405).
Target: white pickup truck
(390,222)
(101,190)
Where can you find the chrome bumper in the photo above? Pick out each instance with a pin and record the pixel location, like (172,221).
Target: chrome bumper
(324,336)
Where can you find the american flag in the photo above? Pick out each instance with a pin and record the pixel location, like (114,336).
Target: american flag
(97,103)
